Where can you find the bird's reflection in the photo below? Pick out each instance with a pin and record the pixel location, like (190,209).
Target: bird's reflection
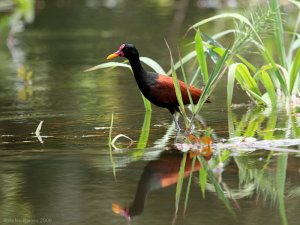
(159,173)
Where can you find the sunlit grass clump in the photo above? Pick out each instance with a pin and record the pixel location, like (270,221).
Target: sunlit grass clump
(276,82)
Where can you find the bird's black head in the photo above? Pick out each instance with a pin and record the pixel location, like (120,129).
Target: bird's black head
(128,51)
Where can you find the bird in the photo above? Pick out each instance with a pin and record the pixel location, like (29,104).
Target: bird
(157,88)
(158,174)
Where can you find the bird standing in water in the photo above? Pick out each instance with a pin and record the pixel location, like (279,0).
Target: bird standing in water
(157,88)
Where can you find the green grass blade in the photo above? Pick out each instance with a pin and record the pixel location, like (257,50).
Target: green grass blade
(295,2)
(245,79)
(222,16)
(223,33)
(295,41)
(230,83)
(178,93)
(264,77)
(212,81)
(201,56)
(242,124)
(183,61)
(144,136)
(180,182)
(231,120)
(153,64)
(247,82)
(281,79)
(189,185)
(202,180)
(143,139)
(217,48)
(247,63)
(147,103)
(108,65)
(216,184)
(278,31)
(236,16)
(177,87)
(109,145)
(258,98)
(294,71)
(186,84)
(195,76)
(112,65)
(280,185)
(254,124)
(296,128)
(270,127)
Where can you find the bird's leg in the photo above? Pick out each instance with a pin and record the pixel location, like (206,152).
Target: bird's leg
(192,126)
(173,111)
(197,117)
(176,122)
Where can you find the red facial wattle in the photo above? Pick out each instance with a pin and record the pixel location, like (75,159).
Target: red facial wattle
(117,53)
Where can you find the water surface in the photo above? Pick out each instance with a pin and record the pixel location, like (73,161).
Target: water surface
(68,179)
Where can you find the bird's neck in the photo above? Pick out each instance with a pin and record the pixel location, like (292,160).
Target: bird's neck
(148,182)
(139,73)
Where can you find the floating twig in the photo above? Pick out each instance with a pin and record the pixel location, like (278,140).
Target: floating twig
(37,132)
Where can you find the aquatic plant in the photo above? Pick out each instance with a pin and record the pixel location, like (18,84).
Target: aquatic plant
(276,82)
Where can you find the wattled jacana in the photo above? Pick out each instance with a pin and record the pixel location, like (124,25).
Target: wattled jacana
(157,174)
(157,88)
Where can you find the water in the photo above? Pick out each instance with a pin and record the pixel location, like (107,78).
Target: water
(68,179)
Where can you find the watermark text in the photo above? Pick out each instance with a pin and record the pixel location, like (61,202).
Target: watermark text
(15,220)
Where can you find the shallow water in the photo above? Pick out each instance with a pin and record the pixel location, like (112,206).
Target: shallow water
(68,179)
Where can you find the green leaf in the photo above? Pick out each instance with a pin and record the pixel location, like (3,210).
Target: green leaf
(223,33)
(212,81)
(278,31)
(294,71)
(183,61)
(147,103)
(177,87)
(153,64)
(189,184)
(143,139)
(253,126)
(216,183)
(186,84)
(295,2)
(270,127)
(108,65)
(223,16)
(243,76)
(237,16)
(180,182)
(230,83)
(109,145)
(202,180)
(247,63)
(218,50)
(257,97)
(112,65)
(246,81)
(201,56)
(280,185)
(264,77)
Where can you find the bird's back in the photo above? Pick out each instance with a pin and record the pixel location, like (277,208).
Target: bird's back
(162,93)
